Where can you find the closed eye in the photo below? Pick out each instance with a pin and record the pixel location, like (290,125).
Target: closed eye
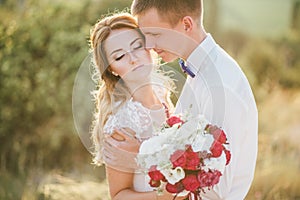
(119,57)
(138,45)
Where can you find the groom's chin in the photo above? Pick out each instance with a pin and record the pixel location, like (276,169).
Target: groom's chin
(168,57)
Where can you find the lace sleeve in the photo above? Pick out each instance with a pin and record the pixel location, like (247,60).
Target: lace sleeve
(132,115)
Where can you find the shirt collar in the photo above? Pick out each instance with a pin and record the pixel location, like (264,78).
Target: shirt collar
(197,57)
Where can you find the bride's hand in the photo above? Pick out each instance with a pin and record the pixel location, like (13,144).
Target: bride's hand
(120,150)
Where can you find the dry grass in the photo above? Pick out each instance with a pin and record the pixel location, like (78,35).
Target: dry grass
(54,186)
(278,164)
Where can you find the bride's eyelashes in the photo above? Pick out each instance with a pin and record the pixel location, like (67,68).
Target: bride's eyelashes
(137,45)
(119,57)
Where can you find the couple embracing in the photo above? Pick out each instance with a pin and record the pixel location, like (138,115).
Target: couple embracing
(133,96)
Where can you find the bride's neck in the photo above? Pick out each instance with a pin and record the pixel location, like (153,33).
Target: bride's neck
(146,96)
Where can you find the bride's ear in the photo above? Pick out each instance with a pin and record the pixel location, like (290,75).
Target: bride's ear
(188,23)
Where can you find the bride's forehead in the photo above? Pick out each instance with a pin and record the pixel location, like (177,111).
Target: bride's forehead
(122,36)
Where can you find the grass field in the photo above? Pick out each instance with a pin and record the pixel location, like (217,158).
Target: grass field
(278,164)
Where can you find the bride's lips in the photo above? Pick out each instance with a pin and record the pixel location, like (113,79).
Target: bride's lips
(137,67)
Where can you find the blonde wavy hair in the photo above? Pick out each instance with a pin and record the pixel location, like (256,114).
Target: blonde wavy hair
(112,88)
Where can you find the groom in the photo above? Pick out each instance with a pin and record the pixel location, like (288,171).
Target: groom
(215,87)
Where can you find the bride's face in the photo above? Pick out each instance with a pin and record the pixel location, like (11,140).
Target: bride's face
(127,55)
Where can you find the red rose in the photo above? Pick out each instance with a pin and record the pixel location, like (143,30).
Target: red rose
(155,174)
(173,120)
(204,178)
(228,156)
(192,160)
(191,183)
(216,149)
(208,179)
(217,133)
(178,187)
(178,158)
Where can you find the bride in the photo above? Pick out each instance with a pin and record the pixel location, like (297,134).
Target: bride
(130,98)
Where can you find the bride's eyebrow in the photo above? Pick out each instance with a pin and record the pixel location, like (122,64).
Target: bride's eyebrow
(135,40)
(131,43)
(115,51)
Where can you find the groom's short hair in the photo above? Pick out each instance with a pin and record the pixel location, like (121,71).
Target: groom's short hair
(170,10)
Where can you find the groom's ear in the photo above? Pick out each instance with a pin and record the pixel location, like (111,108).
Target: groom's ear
(187,23)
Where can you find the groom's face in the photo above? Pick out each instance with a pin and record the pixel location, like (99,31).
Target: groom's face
(164,39)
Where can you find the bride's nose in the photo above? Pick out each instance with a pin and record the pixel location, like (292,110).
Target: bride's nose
(132,57)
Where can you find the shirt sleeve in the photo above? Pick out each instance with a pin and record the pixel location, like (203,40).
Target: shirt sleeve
(238,119)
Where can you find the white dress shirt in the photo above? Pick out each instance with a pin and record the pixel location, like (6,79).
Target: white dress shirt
(221,92)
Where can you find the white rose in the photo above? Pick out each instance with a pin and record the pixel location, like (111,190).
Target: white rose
(154,144)
(215,163)
(202,142)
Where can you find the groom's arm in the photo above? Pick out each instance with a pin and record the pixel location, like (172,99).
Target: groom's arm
(120,150)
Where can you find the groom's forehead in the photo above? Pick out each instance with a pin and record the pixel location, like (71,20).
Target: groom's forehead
(151,18)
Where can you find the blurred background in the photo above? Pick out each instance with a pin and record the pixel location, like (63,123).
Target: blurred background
(42,45)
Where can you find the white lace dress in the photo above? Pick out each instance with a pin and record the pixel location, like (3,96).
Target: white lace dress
(141,120)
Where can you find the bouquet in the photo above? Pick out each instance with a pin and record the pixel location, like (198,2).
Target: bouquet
(186,157)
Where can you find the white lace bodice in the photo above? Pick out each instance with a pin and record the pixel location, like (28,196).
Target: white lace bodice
(138,118)
(143,122)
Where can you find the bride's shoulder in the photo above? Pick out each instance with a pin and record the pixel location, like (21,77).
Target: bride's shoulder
(130,114)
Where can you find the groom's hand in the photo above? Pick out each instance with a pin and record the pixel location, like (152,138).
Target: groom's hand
(120,150)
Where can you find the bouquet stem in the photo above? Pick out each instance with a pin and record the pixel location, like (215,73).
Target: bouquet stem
(193,196)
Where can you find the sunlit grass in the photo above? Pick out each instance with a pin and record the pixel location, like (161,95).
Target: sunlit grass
(278,164)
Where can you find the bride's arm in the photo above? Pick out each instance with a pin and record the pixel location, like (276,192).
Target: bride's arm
(120,188)
(119,175)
